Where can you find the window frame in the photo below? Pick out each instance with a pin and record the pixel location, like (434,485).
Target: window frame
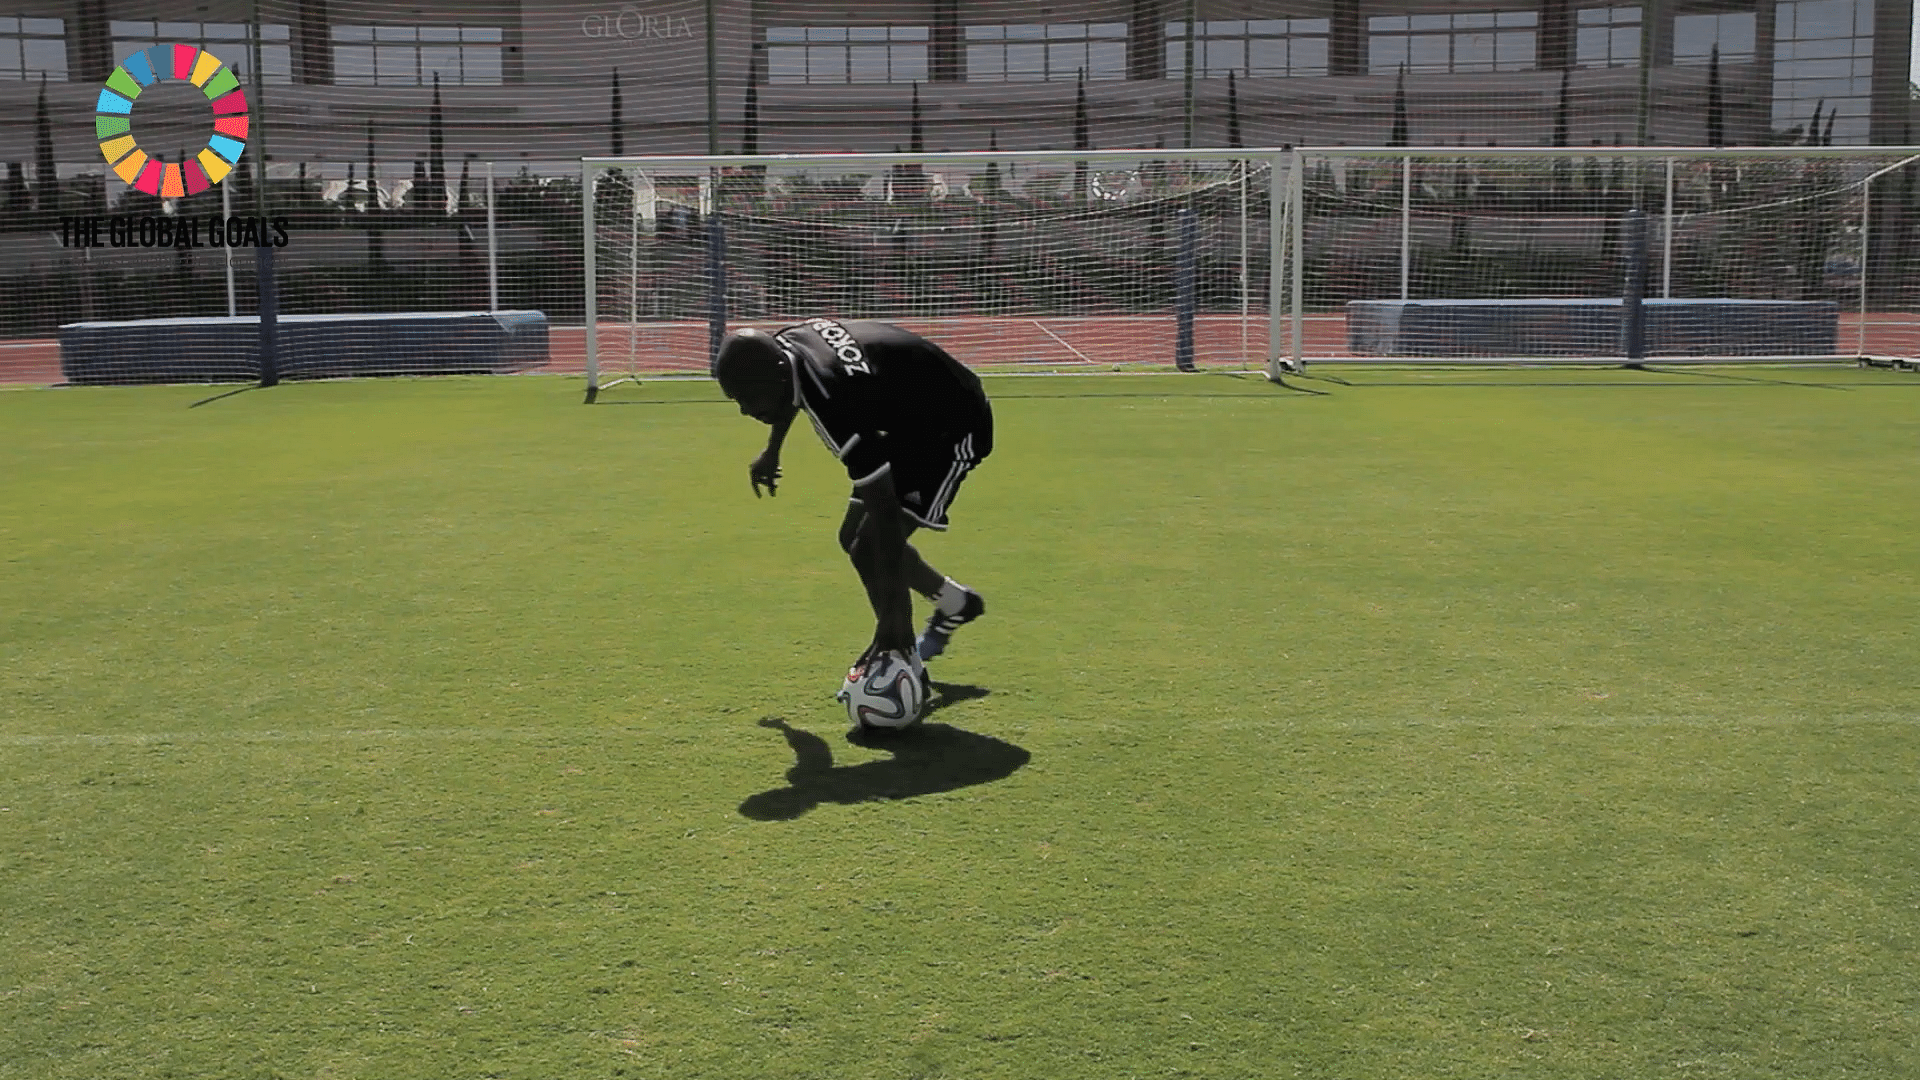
(15,39)
(276,43)
(1693,59)
(1808,71)
(1220,42)
(381,54)
(1059,51)
(1620,31)
(1422,35)
(807,55)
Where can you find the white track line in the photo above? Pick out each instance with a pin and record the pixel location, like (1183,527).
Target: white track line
(1063,341)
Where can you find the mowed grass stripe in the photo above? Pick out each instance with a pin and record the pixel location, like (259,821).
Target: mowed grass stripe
(325,735)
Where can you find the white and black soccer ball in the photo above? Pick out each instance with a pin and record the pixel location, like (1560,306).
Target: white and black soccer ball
(885,692)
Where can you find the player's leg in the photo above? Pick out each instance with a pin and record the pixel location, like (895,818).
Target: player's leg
(916,571)
(954,606)
(927,480)
(921,577)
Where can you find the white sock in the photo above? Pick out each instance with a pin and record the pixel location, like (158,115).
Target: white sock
(953,596)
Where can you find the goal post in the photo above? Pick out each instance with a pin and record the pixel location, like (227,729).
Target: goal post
(1044,260)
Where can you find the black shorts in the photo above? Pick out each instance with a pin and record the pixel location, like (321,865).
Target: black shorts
(927,474)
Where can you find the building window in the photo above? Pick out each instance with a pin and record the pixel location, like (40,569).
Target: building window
(846,54)
(1823,60)
(1696,36)
(1046,52)
(1249,48)
(231,42)
(1607,37)
(1467,42)
(32,48)
(413,55)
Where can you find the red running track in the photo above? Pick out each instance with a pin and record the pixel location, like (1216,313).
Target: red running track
(31,362)
(1062,343)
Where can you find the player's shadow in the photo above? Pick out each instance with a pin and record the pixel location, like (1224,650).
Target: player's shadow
(927,759)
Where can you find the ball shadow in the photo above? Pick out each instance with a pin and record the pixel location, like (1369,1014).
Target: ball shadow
(927,759)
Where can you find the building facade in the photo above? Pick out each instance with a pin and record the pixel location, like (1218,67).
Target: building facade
(552,82)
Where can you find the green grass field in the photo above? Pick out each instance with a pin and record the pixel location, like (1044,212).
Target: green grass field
(1525,723)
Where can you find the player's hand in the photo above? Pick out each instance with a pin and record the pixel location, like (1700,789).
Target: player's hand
(765,470)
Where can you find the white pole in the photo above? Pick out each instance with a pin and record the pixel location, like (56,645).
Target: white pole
(1277,205)
(1246,279)
(226,211)
(633,275)
(1296,199)
(587,234)
(1866,219)
(1666,240)
(1406,223)
(493,249)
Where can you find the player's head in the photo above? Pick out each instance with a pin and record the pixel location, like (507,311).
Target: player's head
(754,370)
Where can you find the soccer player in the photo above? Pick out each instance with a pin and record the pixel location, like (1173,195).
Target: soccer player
(907,420)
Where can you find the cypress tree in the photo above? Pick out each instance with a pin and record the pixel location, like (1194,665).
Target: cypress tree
(750,120)
(1398,137)
(436,196)
(616,123)
(1082,136)
(1716,108)
(1233,114)
(44,171)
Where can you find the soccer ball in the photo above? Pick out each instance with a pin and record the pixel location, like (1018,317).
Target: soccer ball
(884,692)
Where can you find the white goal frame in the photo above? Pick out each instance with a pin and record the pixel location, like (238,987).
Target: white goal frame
(1283,289)
(1662,214)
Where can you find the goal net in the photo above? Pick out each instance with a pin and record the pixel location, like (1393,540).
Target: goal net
(1040,261)
(1269,258)
(1561,255)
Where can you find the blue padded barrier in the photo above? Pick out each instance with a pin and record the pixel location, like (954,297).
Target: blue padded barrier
(1590,327)
(227,349)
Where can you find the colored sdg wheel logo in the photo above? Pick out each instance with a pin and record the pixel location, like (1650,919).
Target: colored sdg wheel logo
(113,124)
